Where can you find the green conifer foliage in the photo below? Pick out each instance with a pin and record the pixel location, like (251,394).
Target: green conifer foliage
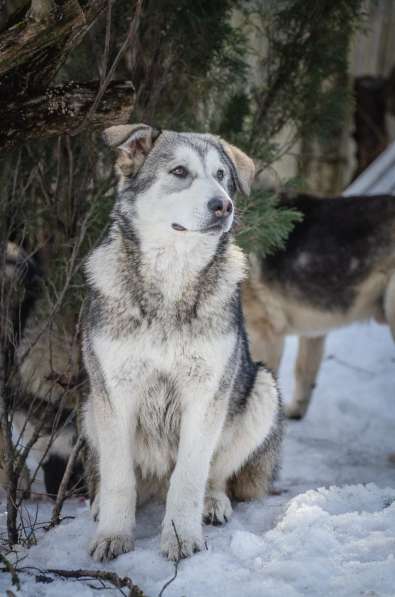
(195,67)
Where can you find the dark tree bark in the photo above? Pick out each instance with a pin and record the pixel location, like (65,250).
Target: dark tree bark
(61,109)
(32,50)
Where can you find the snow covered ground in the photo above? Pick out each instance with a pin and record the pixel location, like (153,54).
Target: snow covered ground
(330,532)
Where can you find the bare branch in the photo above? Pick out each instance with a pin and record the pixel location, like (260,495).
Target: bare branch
(133,27)
(62,491)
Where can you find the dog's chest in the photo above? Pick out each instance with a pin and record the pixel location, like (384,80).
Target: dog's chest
(154,379)
(138,361)
(158,426)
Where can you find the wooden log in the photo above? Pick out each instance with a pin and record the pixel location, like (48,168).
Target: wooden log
(33,50)
(20,43)
(62,109)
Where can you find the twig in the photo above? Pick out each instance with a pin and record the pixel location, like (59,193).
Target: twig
(9,454)
(332,357)
(106,42)
(176,563)
(62,491)
(118,582)
(108,77)
(11,569)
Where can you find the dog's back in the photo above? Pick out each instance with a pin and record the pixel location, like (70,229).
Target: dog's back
(338,267)
(338,244)
(334,269)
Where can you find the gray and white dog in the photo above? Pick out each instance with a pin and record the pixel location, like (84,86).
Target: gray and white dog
(175,398)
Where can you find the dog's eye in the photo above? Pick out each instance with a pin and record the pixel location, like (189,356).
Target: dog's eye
(180,171)
(220,174)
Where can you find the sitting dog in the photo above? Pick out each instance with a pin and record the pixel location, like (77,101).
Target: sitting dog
(174,394)
(338,267)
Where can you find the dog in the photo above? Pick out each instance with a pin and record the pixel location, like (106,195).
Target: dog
(175,400)
(42,361)
(338,267)
(18,285)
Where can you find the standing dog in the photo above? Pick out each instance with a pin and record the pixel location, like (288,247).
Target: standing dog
(174,393)
(338,267)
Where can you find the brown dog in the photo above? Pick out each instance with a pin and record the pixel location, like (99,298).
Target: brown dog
(338,267)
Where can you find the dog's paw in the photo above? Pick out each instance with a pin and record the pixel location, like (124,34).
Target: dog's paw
(180,544)
(217,509)
(105,548)
(294,411)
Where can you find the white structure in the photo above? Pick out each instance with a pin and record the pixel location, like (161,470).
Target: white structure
(378,178)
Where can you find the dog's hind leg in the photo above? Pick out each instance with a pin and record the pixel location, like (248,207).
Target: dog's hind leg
(389,304)
(248,454)
(266,345)
(310,353)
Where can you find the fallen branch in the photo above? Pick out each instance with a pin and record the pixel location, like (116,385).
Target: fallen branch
(34,49)
(34,43)
(61,108)
(119,582)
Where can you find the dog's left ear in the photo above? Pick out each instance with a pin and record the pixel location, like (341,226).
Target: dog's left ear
(243,165)
(134,142)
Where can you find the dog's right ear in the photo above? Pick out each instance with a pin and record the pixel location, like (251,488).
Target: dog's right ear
(134,142)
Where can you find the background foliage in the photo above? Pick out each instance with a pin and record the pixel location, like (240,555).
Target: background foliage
(239,68)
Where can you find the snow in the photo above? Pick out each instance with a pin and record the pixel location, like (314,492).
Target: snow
(331,531)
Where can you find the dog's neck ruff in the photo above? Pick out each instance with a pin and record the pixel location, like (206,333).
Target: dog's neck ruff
(162,278)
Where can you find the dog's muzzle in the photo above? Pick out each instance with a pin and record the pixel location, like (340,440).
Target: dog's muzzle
(220,209)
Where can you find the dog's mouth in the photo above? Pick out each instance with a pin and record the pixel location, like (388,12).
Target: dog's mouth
(212,228)
(178,227)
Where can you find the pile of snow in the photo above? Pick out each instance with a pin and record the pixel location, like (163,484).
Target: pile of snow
(338,540)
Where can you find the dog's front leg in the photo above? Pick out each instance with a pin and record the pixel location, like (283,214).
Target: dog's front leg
(115,430)
(201,426)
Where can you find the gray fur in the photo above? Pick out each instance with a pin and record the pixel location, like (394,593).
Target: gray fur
(156,348)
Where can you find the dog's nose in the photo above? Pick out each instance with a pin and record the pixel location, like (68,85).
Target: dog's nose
(220,207)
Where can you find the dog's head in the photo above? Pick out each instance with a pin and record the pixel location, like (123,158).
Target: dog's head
(178,183)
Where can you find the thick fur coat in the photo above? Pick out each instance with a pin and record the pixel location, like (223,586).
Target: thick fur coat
(176,403)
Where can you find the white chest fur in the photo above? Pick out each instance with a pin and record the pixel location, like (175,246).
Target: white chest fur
(153,381)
